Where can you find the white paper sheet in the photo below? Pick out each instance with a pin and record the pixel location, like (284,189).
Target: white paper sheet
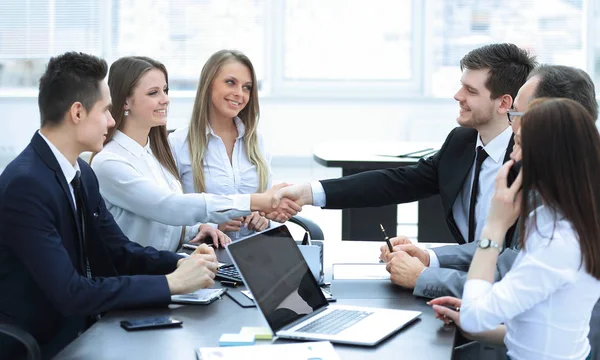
(375,271)
(322,350)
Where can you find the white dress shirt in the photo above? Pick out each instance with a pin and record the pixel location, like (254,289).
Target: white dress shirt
(221,176)
(147,201)
(545,300)
(69,170)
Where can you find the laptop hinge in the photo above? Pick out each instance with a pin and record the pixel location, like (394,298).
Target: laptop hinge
(304,318)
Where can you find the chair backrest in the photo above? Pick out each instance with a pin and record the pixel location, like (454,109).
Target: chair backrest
(314,231)
(33,350)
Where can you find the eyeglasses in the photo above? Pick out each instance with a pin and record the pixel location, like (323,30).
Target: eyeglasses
(512,114)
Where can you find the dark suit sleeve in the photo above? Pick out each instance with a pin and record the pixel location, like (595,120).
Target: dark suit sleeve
(128,257)
(450,278)
(386,187)
(28,218)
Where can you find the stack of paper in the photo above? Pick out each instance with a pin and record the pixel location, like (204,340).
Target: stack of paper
(322,350)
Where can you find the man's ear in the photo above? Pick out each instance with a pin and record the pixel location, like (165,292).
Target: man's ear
(77,112)
(506,103)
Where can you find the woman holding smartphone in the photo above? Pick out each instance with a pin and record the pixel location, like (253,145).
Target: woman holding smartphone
(545,301)
(138,176)
(221,151)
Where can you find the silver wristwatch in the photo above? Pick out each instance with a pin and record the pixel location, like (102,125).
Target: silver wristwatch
(486,243)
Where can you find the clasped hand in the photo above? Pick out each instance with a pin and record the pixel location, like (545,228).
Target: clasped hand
(405,263)
(277,206)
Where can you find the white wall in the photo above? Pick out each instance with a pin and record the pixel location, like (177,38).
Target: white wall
(291,127)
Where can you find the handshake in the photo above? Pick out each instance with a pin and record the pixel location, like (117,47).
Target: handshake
(282,201)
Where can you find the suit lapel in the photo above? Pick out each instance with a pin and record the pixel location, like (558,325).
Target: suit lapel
(45,153)
(511,144)
(463,164)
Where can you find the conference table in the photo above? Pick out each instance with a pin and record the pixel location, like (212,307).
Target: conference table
(363,223)
(426,338)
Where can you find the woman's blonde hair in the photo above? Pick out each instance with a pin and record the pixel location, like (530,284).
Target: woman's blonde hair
(197,139)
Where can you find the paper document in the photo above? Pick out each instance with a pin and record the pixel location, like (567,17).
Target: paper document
(360,272)
(322,350)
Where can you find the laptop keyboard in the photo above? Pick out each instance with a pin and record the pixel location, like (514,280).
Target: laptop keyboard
(335,321)
(229,272)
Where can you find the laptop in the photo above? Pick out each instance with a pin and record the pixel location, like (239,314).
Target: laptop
(289,298)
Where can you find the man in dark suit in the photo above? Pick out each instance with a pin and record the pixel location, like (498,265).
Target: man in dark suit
(492,76)
(63,259)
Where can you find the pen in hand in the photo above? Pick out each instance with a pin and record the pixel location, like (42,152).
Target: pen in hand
(387,239)
(453,308)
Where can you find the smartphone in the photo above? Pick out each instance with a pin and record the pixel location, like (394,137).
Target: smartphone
(202,296)
(150,323)
(513,172)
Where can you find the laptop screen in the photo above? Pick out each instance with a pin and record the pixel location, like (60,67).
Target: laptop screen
(276,273)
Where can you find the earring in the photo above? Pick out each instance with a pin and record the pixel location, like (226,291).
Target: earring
(126,113)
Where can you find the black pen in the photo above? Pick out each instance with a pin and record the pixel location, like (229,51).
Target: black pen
(387,239)
(453,308)
(229,283)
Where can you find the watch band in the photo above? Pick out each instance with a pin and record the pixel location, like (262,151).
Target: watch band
(486,243)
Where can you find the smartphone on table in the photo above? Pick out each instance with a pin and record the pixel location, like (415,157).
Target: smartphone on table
(150,323)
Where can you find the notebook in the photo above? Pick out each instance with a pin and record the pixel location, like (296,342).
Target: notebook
(292,303)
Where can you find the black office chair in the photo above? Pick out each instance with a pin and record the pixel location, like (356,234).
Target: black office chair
(33,350)
(314,231)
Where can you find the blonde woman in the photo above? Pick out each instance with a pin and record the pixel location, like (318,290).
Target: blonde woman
(221,151)
(138,176)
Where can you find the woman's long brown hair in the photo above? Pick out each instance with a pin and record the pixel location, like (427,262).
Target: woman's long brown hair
(122,79)
(561,162)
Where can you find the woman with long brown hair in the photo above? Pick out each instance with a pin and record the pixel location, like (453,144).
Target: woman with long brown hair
(546,299)
(138,176)
(221,151)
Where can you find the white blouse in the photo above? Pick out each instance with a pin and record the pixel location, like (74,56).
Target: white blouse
(545,300)
(221,176)
(148,202)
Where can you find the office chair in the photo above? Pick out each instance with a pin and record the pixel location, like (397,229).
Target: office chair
(314,231)
(33,350)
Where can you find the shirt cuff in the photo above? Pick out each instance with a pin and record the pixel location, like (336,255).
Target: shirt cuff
(475,288)
(191,232)
(318,193)
(242,202)
(222,208)
(434,262)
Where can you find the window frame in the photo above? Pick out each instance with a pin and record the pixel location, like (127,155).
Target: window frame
(276,87)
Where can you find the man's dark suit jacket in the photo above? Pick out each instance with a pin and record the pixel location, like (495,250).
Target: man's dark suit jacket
(443,173)
(44,290)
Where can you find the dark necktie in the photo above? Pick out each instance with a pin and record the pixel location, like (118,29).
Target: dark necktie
(83,259)
(479,159)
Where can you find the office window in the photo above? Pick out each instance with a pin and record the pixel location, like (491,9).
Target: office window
(383,49)
(31,31)
(551,29)
(184,33)
(348,40)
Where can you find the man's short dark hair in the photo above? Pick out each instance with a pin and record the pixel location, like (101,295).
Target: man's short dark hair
(559,81)
(508,67)
(69,78)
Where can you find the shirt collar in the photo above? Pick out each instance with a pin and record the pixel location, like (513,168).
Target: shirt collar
(241,129)
(498,146)
(67,168)
(131,145)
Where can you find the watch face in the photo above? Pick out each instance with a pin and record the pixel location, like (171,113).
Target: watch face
(484,243)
